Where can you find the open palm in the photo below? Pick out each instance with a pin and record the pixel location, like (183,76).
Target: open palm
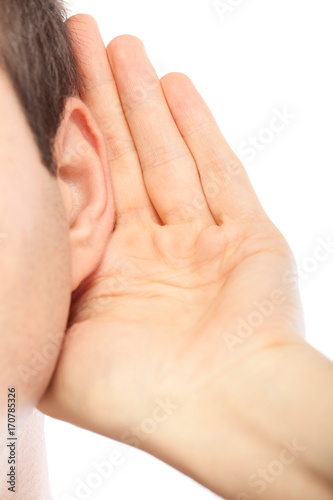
(195,276)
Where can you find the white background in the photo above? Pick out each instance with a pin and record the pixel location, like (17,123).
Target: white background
(258,57)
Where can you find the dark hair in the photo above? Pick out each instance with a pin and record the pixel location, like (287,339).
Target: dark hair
(36,52)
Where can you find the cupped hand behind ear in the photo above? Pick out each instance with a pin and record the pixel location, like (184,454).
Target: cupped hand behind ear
(194,281)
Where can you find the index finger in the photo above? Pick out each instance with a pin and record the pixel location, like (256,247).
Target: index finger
(100,93)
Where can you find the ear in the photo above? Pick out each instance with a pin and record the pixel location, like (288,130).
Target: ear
(84,181)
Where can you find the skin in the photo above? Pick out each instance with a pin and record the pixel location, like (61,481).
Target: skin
(24,250)
(156,303)
(53,232)
(192,256)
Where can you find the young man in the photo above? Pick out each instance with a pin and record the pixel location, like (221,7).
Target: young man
(185,332)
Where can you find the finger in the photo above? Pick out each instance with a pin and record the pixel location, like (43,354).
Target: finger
(226,185)
(100,94)
(169,171)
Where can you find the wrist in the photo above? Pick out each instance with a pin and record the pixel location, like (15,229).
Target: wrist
(263,432)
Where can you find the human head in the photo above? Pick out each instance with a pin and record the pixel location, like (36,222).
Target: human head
(56,209)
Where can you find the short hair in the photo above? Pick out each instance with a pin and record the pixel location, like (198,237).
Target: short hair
(36,52)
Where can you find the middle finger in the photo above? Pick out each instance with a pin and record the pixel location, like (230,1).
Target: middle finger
(170,173)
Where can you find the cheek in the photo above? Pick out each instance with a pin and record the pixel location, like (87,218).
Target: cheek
(35,274)
(35,285)
(35,235)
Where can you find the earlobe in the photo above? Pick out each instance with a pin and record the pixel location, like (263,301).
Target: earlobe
(84,182)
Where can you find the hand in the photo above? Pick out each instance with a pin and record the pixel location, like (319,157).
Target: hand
(187,339)
(194,291)
(191,258)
